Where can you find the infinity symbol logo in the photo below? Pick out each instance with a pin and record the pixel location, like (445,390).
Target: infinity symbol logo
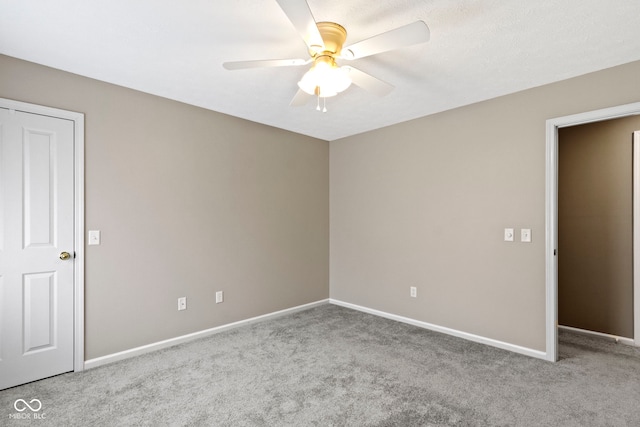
(25,405)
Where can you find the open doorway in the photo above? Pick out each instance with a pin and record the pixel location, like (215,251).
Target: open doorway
(553,127)
(595,228)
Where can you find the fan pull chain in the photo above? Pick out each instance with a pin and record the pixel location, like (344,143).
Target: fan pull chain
(324,104)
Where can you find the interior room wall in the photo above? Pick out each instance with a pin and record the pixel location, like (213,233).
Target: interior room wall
(188,202)
(595,230)
(425,203)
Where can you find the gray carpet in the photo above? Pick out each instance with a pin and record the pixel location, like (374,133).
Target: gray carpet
(331,366)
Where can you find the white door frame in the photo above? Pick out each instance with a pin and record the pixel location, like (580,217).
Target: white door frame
(636,238)
(551,218)
(78,274)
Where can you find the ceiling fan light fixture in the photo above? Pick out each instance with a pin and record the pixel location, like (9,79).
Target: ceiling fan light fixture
(325,43)
(325,78)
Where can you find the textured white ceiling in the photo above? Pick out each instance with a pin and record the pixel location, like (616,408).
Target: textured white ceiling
(478,50)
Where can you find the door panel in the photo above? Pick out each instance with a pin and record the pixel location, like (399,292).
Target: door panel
(37,190)
(39,308)
(36,225)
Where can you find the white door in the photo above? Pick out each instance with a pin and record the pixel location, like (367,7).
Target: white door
(36,233)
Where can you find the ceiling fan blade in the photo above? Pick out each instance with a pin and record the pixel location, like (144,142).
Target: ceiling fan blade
(261,63)
(300,98)
(368,82)
(408,35)
(300,15)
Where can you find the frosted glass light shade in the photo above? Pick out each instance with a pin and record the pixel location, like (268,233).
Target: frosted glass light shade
(325,80)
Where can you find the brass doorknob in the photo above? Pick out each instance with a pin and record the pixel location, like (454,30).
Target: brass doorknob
(65,255)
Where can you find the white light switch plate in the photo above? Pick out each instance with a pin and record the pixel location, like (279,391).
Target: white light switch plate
(525,235)
(94,237)
(508,234)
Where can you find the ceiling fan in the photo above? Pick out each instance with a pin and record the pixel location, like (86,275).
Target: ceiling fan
(325,43)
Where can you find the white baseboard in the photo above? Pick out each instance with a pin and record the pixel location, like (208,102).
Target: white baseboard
(623,340)
(137,351)
(471,337)
(110,358)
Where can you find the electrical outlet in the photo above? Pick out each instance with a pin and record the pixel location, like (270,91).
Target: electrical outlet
(182,303)
(413,291)
(219,297)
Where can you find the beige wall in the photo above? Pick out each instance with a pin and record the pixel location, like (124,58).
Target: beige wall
(189,202)
(595,258)
(424,203)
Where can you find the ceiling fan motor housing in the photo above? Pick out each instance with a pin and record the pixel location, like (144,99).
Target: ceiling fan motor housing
(333,35)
